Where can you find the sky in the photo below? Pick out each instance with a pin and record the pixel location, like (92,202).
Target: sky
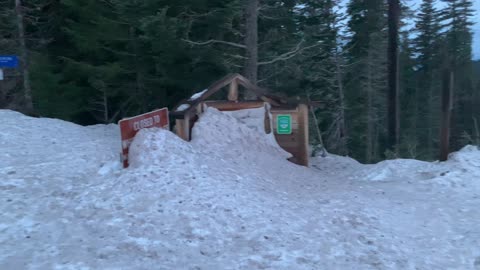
(476,31)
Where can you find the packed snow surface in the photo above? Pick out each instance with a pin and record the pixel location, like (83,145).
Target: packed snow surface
(226,200)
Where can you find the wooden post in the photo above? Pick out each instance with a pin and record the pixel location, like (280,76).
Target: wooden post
(182,128)
(179,128)
(303,134)
(24,58)
(233,91)
(267,120)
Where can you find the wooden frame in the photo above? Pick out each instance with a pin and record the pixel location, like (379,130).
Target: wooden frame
(187,112)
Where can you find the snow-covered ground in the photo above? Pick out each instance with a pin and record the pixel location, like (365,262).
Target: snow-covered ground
(227,200)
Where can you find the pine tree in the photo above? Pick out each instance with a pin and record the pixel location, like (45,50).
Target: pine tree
(366,78)
(456,19)
(426,47)
(408,91)
(393,122)
(8,93)
(322,70)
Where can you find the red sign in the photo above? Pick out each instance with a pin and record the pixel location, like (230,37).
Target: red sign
(130,126)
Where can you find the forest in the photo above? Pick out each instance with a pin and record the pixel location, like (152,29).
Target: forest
(394,79)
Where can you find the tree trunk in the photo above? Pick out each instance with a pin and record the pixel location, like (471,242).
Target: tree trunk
(476,139)
(251,40)
(24,58)
(370,112)
(447,96)
(341,96)
(393,78)
(317,129)
(429,115)
(106,118)
(139,80)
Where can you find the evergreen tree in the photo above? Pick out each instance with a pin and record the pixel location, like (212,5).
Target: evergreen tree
(321,67)
(393,122)
(426,47)
(366,78)
(408,91)
(456,20)
(8,87)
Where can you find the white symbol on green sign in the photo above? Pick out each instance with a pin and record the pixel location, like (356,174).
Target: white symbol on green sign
(284,124)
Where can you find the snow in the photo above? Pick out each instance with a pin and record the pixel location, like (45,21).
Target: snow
(230,134)
(254,119)
(226,200)
(461,168)
(183,107)
(198,95)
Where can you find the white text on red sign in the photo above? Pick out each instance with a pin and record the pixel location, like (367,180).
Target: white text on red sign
(146,123)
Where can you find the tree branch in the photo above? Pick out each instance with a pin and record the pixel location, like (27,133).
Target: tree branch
(213,41)
(288,55)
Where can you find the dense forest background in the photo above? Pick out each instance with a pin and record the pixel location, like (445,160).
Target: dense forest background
(96,61)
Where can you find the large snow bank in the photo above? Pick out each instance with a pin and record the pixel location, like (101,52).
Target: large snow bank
(216,135)
(66,204)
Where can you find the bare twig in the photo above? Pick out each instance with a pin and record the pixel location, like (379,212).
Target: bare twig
(213,41)
(283,57)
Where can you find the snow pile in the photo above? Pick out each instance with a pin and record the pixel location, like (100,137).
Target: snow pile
(156,146)
(334,164)
(30,140)
(462,168)
(44,165)
(225,134)
(467,159)
(217,135)
(400,169)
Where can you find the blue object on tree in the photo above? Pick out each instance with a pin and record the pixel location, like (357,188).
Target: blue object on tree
(8,61)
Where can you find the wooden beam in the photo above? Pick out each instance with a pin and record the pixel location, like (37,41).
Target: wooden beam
(250,86)
(210,91)
(233,80)
(269,100)
(233,106)
(302,158)
(267,120)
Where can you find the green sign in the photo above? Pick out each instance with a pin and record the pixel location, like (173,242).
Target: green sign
(284,124)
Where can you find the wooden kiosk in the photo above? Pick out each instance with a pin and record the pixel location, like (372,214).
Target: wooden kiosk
(290,118)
